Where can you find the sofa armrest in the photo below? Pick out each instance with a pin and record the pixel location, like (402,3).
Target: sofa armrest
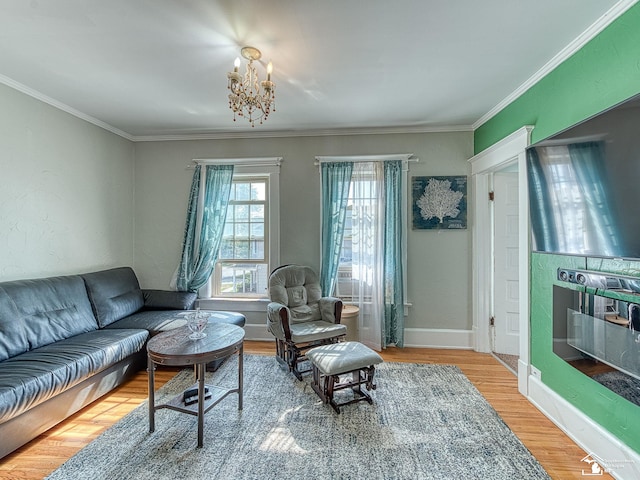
(168,300)
(330,309)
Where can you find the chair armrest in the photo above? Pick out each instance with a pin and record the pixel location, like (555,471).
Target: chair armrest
(330,309)
(168,300)
(278,320)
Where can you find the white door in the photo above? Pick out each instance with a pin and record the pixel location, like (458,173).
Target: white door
(506,329)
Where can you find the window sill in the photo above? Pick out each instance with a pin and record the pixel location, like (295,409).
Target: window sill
(242,304)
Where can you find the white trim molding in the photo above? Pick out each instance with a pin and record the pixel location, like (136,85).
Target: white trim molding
(611,454)
(509,151)
(585,37)
(438,338)
(501,153)
(318,132)
(413,337)
(9,82)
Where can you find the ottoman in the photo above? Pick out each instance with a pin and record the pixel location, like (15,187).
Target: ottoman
(349,359)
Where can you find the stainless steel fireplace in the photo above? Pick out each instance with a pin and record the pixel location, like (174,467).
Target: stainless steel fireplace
(596,328)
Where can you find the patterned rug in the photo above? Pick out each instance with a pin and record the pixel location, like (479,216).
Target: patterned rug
(622,384)
(427,422)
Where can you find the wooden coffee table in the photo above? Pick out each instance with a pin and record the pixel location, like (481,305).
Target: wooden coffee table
(175,348)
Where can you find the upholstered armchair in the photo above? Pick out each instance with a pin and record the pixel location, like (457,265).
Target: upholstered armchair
(299,316)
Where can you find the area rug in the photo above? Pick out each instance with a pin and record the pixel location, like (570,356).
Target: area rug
(426,422)
(624,385)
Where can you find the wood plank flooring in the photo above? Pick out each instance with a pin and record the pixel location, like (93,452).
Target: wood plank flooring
(560,457)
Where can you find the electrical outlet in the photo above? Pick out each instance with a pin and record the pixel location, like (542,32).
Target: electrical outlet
(536,373)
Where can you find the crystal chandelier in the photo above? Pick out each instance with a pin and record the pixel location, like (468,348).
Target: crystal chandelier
(246,99)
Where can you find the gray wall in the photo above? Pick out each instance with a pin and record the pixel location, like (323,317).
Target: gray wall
(66,192)
(76,198)
(439,262)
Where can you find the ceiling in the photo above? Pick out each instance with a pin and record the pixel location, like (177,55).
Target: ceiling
(157,68)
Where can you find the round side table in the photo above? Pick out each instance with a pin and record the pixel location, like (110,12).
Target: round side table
(349,318)
(175,348)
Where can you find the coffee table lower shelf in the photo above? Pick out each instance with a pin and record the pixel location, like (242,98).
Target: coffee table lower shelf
(177,404)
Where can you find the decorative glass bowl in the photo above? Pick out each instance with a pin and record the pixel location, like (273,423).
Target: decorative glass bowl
(197,322)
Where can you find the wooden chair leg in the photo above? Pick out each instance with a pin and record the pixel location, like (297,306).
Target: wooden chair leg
(281,354)
(326,386)
(331,381)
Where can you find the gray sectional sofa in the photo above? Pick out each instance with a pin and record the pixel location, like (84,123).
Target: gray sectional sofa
(66,341)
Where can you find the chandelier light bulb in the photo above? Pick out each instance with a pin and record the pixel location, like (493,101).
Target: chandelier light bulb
(236,64)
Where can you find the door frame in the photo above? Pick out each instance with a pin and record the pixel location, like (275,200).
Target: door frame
(507,151)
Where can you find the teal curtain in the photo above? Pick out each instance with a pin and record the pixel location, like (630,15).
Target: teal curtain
(587,160)
(206,214)
(393,322)
(540,204)
(336,177)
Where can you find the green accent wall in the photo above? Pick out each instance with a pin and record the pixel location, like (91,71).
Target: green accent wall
(616,414)
(601,74)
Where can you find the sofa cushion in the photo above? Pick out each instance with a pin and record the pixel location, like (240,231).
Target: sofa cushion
(313,331)
(298,288)
(33,377)
(46,310)
(168,300)
(13,335)
(114,294)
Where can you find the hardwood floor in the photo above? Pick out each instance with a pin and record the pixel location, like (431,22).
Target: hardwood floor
(560,457)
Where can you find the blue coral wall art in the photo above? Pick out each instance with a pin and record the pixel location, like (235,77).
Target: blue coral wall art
(439,203)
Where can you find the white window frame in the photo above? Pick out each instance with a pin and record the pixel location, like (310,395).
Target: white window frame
(216,278)
(254,167)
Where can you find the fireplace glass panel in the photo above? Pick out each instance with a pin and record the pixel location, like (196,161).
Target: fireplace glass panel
(600,336)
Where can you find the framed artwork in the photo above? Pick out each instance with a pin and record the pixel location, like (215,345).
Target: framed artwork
(439,203)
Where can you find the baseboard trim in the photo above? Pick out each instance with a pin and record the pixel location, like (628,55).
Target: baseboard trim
(259,332)
(413,337)
(438,338)
(611,454)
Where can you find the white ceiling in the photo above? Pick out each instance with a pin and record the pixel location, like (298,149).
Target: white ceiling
(150,68)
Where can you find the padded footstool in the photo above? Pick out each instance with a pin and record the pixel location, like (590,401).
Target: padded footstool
(328,362)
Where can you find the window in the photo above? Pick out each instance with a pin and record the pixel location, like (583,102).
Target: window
(362,203)
(250,240)
(371,267)
(243,261)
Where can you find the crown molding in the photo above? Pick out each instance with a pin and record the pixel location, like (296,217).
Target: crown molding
(230,135)
(62,106)
(613,13)
(303,133)
(585,37)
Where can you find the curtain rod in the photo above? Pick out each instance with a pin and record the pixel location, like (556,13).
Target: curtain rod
(366,158)
(245,161)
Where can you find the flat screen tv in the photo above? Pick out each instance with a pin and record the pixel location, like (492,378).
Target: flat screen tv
(584,186)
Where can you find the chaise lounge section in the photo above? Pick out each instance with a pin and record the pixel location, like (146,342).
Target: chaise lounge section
(66,341)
